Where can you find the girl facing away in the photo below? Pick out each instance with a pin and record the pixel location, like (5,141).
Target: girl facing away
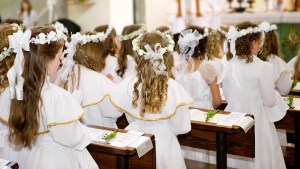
(108,57)
(7,57)
(127,59)
(249,88)
(271,53)
(196,74)
(93,87)
(295,67)
(43,121)
(154,102)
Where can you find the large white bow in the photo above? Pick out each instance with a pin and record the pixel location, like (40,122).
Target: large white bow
(154,56)
(18,41)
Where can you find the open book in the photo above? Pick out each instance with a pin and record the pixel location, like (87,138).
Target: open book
(231,119)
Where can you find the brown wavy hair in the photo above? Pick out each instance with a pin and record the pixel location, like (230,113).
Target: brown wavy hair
(201,49)
(29,6)
(154,87)
(91,55)
(296,75)
(243,44)
(271,46)
(126,49)
(110,45)
(7,62)
(24,114)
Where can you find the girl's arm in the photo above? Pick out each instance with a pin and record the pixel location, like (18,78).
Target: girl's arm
(215,92)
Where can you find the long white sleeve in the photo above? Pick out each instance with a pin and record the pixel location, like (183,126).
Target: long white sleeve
(180,123)
(267,85)
(284,83)
(73,135)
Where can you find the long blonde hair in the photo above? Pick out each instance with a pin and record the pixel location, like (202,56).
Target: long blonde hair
(154,88)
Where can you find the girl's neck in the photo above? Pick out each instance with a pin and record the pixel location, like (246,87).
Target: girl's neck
(197,63)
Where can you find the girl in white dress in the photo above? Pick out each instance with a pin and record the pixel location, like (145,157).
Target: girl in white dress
(154,102)
(127,58)
(93,86)
(271,53)
(27,14)
(199,78)
(249,88)
(108,57)
(7,57)
(43,121)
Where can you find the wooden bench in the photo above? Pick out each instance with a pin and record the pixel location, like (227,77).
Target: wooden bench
(222,139)
(110,157)
(13,165)
(290,123)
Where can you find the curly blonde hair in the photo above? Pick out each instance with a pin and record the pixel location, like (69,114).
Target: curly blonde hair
(271,46)
(243,44)
(154,88)
(213,42)
(5,30)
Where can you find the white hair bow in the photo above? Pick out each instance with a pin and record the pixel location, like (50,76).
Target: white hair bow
(18,41)
(154,56)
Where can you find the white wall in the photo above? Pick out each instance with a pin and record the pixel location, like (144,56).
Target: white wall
(156,14)
(118,13)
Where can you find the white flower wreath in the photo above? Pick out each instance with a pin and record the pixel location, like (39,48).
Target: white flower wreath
(8,51)
(141,52)
(158,53)
(134,34)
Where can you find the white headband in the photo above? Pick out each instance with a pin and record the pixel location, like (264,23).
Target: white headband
(20,41)
(134,34)
(158,53)
(68,61)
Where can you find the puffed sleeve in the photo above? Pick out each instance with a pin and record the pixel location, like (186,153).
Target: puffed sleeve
(208,72)
(180,123)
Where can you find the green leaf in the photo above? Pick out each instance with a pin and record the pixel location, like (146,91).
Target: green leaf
(289,100)
(210,114)
(294,83)
(109,136)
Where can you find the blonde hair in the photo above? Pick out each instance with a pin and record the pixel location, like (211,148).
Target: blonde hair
(7,62)
(154,88)
(212,46)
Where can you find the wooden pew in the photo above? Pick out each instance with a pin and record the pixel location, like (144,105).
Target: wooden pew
(13,165)
(222,139)
(110,157)
(290,123)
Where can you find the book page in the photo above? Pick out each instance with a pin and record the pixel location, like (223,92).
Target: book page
(3,162)
(232,119)
(142,145)
(126,139)
(245,123)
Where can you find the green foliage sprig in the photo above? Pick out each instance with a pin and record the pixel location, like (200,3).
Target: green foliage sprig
(289,100)
(109,136)
(294,83)
(210,114)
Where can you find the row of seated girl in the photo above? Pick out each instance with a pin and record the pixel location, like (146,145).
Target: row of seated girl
(147,92)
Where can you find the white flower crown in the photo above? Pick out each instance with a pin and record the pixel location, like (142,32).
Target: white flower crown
(68,61)
(8,51)
(158,53)
(134,34)
(141,52)
(43,38)
(233,34)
